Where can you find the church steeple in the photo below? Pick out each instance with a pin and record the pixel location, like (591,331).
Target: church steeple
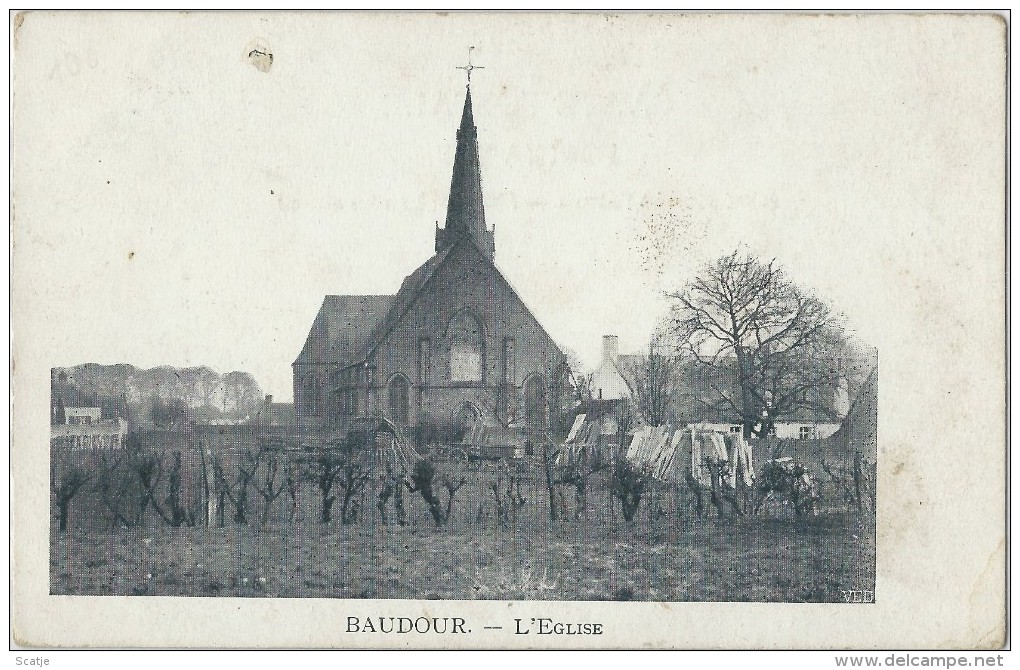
(465,213)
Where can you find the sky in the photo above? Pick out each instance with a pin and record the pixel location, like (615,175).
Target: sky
(174,204)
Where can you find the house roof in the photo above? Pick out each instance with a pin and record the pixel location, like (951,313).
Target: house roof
(343,324)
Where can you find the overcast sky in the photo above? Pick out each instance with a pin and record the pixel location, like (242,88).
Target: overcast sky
(176,205)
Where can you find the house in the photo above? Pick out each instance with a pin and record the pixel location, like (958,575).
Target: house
(82,415)
(608,381)
(85,428)
(702,393)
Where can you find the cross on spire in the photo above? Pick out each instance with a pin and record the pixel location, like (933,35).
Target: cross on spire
(469,67)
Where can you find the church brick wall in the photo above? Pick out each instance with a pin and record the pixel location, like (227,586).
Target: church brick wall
(307,377)
(465,280)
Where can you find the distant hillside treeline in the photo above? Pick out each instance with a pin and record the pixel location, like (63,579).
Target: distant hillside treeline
(157,396)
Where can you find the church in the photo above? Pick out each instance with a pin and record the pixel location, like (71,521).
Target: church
(454,345)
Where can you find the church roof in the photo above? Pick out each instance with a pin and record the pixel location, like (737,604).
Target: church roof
(398,304)
(465,213)
(343,325)
(413,286)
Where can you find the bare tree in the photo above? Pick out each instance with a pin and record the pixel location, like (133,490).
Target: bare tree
(575,467)
(114,484)
(179,513)
(148,468)
(508,492)
(65,488)
(768,347)
(270,490)
(327,469)
(550,480)
(654,383)
(561,397)
(346,464)
(423,481)
(237,492)
(628,485)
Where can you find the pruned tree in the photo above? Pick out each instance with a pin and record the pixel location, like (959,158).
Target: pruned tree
(509,494)
(575,468)
(355,473)
(548,464)
(237,491)
(345,465)
(270,489)
(114,485)
(290,481)
(768,347)
(628,485)
(424,478)
(327,468)
(178,513)
(392,486)
(65,487)
(148,468)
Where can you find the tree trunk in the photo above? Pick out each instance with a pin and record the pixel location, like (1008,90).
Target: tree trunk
(553,512)
(62,511)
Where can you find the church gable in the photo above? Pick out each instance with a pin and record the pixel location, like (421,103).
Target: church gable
(464,288)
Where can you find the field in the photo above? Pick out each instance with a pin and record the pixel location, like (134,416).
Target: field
(664,554)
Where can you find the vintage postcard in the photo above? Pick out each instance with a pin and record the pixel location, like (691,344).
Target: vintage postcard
(411,330)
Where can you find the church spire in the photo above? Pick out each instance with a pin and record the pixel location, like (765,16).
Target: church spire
(465,213)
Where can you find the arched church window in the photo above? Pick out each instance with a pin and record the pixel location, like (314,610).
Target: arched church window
(467,352)
(399,404)
(535,406)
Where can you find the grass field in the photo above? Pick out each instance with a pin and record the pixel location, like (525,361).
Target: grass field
(664,554)
(731,559)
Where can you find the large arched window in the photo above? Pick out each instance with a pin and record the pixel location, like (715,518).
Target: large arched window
(467,350)
(535,406)
(399,403)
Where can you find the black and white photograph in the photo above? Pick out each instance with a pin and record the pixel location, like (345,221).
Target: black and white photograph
(552,318)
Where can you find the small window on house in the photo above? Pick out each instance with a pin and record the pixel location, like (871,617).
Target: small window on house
(735,429)
(805,432)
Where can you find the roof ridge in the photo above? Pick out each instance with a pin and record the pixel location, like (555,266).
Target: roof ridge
(392,318)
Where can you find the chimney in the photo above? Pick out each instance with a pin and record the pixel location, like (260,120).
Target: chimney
(610,348)
(269,399)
